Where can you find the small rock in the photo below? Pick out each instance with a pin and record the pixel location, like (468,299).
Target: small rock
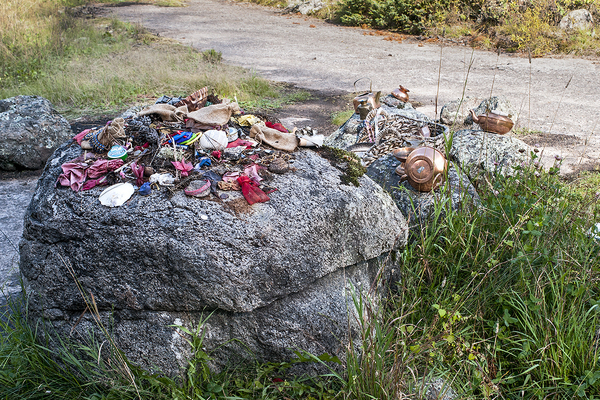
(458,111)
(233,153)
(303,7)
(279,166)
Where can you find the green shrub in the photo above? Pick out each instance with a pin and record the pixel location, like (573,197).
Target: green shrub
(522,26)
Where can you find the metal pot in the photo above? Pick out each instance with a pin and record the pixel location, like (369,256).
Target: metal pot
(425,168)
(371,98)
(492,122)
(363,109)
(401,93)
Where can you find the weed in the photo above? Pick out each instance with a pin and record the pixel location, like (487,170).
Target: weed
(109,65)
(525,132)
(503,292)
(31,367)
(338,118)
(212,56)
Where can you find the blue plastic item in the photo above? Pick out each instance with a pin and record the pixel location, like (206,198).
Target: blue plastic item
(204,161)
(145,189)
(182,137)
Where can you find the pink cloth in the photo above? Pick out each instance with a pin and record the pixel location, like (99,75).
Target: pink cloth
(230,176)
(138,171)
(101,167)
(240,142)
(252,172)
(79,137)
(92,183)
(75,173)
(183,167)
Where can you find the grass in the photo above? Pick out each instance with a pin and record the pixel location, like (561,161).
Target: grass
(29,369)
(109,65)
(338,118)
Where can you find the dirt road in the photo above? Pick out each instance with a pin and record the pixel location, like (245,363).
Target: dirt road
(317,55)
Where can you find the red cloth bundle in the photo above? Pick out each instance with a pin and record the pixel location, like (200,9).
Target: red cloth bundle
(252,193)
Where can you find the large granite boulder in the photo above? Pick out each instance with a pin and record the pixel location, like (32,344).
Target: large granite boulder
(30,130)
(478,152)
(419,206)
(577,20)
(272,275)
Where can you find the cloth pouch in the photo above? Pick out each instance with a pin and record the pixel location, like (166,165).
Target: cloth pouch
(274,138)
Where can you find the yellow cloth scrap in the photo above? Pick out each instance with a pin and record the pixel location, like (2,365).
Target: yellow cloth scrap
(247,120)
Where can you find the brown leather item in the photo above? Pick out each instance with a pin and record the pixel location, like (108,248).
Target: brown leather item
(196,100)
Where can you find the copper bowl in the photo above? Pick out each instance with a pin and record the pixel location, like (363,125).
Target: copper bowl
(492,122)
(425,168)
(400,170)
(402,153)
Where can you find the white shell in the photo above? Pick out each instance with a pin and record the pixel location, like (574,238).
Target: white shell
(116,195)
(214,140)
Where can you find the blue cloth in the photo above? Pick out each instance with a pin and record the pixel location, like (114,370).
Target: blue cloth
(145,189)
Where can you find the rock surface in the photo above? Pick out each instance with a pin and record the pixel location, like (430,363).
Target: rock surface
(304,7)
(439,389)
(458,111)
(418,206)
(478,152)
(15,194)
(577,19)
(273,275)
(30,130)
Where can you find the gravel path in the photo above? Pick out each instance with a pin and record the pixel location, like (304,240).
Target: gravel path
(317,55)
